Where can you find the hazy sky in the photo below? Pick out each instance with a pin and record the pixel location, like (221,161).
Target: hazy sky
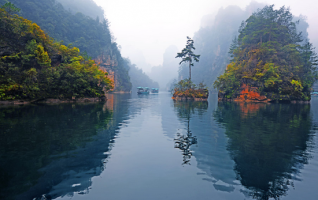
(150,26)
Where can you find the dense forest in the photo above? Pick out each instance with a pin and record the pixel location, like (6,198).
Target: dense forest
(271,56)
(214,39)
(33,66)
(91,35)
(87,7)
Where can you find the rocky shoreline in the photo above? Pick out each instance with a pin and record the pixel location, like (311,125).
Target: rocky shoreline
(251,94)
(189,99)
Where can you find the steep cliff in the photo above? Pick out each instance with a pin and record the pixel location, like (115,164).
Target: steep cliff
(269,57)
(34,67)
(69,26)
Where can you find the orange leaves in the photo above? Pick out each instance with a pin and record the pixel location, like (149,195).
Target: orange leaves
(248,93)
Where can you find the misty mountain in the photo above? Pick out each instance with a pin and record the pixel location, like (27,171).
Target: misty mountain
(168,71)
(138,78)
(87,7)
(214,39)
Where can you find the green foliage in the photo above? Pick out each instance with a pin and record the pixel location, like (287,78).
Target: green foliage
(187,55)
(32,66)
(10,8)
(72,27)
(269,54)
(186,88)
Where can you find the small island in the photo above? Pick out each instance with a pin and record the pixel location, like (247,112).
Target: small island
(270,61)
(186,89)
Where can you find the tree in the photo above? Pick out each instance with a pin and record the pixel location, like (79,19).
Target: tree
(10,8)
(187,55)
(269,54)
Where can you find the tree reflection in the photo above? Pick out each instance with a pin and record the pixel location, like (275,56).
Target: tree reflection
(269,144)
(185,110)
(33,137)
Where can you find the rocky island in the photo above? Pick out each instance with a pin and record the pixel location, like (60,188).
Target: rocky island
(270,61)
(186,90)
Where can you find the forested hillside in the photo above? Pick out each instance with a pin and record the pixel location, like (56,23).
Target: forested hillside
(87,7)
(34,67)
(214,39)
(90,35)
(269,57)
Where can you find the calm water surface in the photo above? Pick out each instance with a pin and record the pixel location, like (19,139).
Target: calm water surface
(149,147)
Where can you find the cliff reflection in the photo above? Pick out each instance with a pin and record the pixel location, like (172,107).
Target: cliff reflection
(54,149)
(269,144)
(185,110)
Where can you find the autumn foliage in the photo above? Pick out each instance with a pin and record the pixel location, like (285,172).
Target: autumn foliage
(270,56)
(33,66)
(185,88)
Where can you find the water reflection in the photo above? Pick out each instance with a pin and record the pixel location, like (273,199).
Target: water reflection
(185,110)
(54,150)
(269,144)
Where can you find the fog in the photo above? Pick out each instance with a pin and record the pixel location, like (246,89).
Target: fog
(145,29)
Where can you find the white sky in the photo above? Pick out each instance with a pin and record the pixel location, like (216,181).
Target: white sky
(150,26)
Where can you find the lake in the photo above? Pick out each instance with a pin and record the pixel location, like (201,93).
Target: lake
(149,147)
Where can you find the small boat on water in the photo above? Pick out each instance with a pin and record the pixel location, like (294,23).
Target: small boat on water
(142,90)
(314,93)
(154,90)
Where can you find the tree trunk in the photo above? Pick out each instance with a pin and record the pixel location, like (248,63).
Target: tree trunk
(189,71)
(190,74)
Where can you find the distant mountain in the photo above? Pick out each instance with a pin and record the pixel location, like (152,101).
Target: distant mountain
(214,39)
(164,74)
(138,78)
(87,7)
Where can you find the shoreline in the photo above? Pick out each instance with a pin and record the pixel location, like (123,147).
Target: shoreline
(264,101)
(53,101)
(189,99)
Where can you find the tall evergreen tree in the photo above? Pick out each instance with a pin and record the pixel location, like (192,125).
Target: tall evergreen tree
(187,55)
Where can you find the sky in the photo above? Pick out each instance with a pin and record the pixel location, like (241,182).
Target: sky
(144,29)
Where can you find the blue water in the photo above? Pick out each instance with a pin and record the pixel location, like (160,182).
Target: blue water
(150,147)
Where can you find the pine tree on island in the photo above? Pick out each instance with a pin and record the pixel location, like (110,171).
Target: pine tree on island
(186,89)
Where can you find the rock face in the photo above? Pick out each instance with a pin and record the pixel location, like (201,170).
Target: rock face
(246,93)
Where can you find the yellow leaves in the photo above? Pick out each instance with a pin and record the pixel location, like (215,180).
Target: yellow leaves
(32,72)
(15,56)
(297,85)
(259,75)
(42,56)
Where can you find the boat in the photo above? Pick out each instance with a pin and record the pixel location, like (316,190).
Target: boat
(314,93)
(142,90)
(154,90)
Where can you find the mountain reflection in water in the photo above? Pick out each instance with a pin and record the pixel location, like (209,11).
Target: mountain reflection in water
(269,144)
(151,147)
(54,149)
